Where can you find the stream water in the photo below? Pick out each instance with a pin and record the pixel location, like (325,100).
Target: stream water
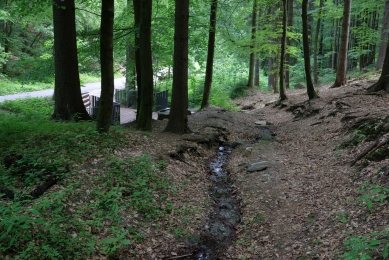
(224,214)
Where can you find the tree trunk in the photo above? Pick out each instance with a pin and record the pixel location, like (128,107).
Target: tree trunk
(178,118)
(315,73)
(384,36)
(288,43)
(252,45)
(257,70)
(130,60)
(341,71)
(144,120)
(211,54)
(137,4)
(67,97)
(307,63)
(283,50)
(383,82)
(106,59)
(270,75)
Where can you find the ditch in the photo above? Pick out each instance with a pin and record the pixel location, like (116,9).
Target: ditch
(224,213)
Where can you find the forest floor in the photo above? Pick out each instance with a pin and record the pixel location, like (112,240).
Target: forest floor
(304,205)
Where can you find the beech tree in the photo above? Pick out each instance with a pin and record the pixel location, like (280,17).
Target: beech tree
(210,56)
(383,82)
(384,36)
(341,71)
(106,57)
(178,118)
(67,92)
(307,63)
(252,45)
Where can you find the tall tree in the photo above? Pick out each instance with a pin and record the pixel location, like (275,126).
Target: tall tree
(288,43)
(106,57)
(8,29)
(130,59)
(252,45)
(137,7)
(144,120)
(341,71)
(307,63)
(316,42)
(211,54)
(383,82)
(384,36)
(67,92)
(178,118)
(283,50)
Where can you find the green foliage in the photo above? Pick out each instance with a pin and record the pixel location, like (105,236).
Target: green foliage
(139,181)
(367,246)
(239,90)
(29,107)
(372,194)
(8,86)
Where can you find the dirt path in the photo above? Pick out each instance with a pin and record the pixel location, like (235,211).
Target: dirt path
(302,206)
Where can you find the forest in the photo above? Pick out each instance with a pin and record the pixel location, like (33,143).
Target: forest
(259,74)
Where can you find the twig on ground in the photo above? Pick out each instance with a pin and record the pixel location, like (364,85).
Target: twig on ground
(178,257)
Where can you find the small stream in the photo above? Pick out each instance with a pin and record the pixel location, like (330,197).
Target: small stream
(224,214)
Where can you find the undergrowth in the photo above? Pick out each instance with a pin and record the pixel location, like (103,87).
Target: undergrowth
(86,213)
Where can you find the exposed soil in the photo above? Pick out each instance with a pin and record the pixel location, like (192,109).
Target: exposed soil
(292,209)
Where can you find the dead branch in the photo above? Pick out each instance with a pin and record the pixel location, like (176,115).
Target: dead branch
(370,149)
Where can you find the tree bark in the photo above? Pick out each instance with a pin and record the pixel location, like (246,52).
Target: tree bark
(307,63)
(288,43)
(257,70)
(178,118)
(210,56)
(315,73)
(137,4)
(252,45)
(144,120)
(283,50)
(106,59)
(383,82)
(130,60)
(67,91)
(341,71)
(384,36)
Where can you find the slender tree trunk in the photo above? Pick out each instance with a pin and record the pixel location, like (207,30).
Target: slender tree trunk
(335,46)
(252,45)
(342,61)
(106,57)
(211,54)
(144,120)
(383,82)
(315,52)
(384,36)
(67,97)
(310,89)
(137,7)
(288,43)
(283,50)
(178,118)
